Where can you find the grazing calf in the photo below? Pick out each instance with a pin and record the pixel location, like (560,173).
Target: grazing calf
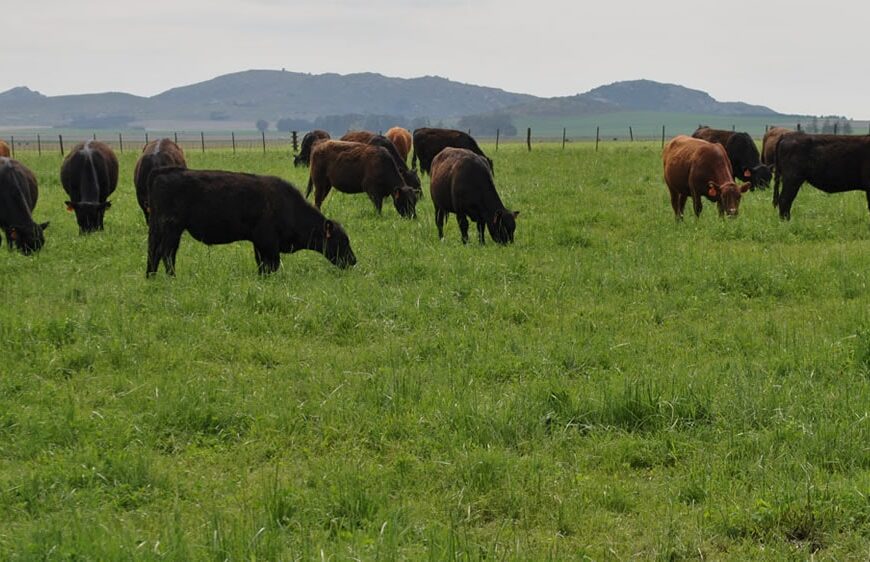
(4,149)
(742,153)
(695,167)
(353,167)
(308,141)
(428,142)
(831,163)
(222,207)
(156,154)
(89,174)
(768,144)
(462,184)
(18,195)
(402,140)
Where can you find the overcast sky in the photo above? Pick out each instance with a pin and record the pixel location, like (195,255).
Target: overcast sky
(793,57)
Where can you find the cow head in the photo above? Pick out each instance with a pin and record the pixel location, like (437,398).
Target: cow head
(298,160)
(759,176)
(27,238)
(412,179)
(727,196)
(502,226)
(405,201)
(336,245)
(89,215)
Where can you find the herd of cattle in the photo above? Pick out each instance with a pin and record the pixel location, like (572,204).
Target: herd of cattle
(219,207)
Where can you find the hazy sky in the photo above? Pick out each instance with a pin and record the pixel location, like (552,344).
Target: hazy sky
(795,57)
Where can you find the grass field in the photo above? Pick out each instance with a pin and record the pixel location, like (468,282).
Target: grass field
(614,385)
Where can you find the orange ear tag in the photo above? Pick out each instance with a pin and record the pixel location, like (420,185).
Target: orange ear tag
(13,234)
(747,174)
(69,208)
(711,192)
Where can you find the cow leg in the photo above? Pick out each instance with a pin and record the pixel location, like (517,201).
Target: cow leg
(480,226)
(790,189)
(677,203)
(868,199)
(268,258)
(320,194)
(379,203)
(463,227)
(8,239)
(441,216)
(696,203)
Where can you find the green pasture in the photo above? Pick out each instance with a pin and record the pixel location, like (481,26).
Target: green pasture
(613,386)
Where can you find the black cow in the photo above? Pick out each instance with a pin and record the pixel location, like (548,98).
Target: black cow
(89,174)
(462,183)
(831,163)
(743,154)
(411,178)
(221,207)
(428,142)
(308,141)
(18,195)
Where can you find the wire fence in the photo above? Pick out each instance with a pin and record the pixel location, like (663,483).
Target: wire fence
(202,141)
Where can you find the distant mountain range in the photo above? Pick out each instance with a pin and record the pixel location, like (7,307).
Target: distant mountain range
(241,98)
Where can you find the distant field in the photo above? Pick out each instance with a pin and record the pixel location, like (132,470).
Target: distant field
(614,385)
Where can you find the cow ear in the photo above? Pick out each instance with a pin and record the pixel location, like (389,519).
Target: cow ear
(44,225)
(747,173)
(327,229)
(745,187)
(13,234)
(711,189)
(516,214)
(396,193)
(107,204)
(70,206)
(496,218)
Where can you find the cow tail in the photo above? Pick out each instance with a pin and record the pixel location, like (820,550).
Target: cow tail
(414,158)
(310,184)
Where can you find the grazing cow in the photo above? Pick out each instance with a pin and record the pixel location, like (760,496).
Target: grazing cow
(462,184)
(831,163)
(4,150)
(768,145)
(156,154)
(410,176)
(401,139)
(743,154)
(308,141)
(18,195)
(695,167)
(428,142)
(89,174)
(353,167)
(222,207)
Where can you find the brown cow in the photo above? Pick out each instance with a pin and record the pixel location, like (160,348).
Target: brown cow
(89,174)
(768,145)
(365,137)
(695,167)
(401,139)
(358,136)
(4,149)
(353,167)
(742,152)
(462,183)
(156,154)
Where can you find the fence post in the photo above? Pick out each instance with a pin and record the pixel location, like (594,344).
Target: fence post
(766,128)
(175,135)
(60,140)
(733,128)
(263,133)
(630,133)
(798,127)
(38,144)
(293,135)
(12,142)
(469,132)
(95,136)
(146,137)
(663,136)
(498,131)
(835,127)
(564,134)
(234,141)
(121,142)
(597,131)
(202,140)
(529,138)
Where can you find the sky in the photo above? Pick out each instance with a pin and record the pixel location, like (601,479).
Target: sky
(795,57)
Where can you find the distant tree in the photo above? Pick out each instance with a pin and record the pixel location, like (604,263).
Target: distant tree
(262,125)
(846,127)
(287,124)
(418,122)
